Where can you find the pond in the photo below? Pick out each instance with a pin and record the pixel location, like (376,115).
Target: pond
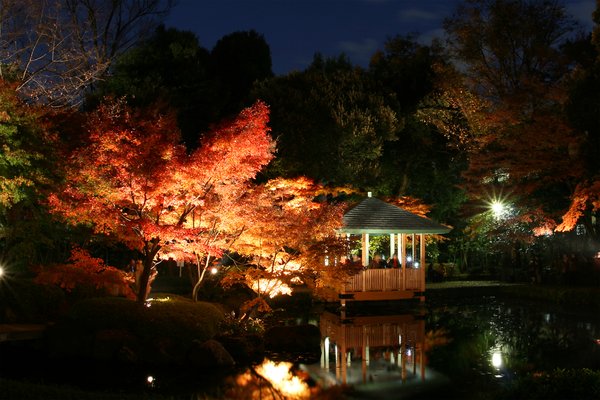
(467,347)
(472,347)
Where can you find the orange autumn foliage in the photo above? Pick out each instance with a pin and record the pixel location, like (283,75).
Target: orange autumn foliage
(586,197)
(84,270)
(135,182)
(291,226)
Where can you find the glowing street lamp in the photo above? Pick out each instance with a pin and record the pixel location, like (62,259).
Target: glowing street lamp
(1,272)
(498,208)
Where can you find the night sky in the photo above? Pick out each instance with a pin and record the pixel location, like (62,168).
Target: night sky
(296,29)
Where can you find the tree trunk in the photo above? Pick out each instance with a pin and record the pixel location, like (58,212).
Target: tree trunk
(200,277)
(148,263)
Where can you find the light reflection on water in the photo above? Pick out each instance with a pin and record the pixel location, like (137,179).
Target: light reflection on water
(449,348)
(473,346)
(366,349)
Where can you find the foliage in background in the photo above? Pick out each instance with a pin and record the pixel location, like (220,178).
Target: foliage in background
(511,51)
(26,145)
(28,168)
(583,109)
(330,122)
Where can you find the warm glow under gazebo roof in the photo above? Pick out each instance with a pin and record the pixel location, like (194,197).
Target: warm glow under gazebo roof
(374,216)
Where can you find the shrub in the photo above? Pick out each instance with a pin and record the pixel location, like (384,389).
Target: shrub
(234,326)
(159,332)
(176,318)
(22,300)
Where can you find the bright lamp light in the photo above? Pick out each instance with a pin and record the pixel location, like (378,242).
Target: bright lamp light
(497,359)
(498,208)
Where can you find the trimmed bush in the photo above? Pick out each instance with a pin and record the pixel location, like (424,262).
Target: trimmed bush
(160,333)
(24,301)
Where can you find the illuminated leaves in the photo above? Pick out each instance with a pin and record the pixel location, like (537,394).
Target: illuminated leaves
(83,269)
(585,198)
(286,218)
(133,181)
(290,227)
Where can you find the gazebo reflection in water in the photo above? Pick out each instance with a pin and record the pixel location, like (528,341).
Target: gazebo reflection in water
(365,349)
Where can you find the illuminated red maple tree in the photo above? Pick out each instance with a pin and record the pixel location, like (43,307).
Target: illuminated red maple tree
(290,229)
(133,181)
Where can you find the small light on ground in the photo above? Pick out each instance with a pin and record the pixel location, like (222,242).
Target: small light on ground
(150,381)
(496,360)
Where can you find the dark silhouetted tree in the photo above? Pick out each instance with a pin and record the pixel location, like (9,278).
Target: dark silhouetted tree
(240,59)
(330,123)
(169,70)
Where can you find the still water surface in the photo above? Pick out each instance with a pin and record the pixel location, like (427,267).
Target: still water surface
(458,348)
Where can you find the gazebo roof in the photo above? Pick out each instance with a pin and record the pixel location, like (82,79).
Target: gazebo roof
(374,216)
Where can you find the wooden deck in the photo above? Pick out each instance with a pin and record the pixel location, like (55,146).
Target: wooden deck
(385,284)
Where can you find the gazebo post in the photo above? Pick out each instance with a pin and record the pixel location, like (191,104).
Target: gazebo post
(392,245)
(365,249)
(400,249)
(422,265)
(402,246)
(412,249)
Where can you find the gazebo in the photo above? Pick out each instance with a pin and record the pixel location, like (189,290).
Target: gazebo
(407,233)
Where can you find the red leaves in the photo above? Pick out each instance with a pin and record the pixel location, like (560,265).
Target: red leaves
(289,230)
(83,269)
(586,196)
(135,182)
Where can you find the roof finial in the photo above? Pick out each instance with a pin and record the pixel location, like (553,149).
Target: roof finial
(370,194)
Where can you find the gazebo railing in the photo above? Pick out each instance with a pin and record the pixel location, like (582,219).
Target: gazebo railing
(381,280)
